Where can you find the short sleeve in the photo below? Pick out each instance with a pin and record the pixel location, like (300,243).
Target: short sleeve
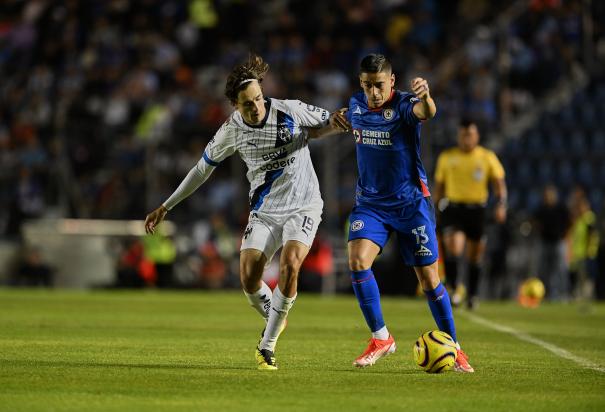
(307,115)
(221,146)
(495,167)
(406,109)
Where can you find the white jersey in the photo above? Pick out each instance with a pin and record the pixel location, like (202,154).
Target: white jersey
(276,152)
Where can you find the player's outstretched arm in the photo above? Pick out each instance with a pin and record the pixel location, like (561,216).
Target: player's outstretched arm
(425,109)
(154,218)
(338,124)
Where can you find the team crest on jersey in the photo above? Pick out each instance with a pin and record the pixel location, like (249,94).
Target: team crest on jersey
(283,132)
(356,225)
(388,114)
(357,135)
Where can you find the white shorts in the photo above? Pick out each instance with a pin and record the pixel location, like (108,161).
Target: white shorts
(268,232)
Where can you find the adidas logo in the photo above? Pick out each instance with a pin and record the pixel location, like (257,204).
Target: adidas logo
(357,110)
(423,251)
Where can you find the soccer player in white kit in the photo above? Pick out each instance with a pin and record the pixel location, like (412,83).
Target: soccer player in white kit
(271,136)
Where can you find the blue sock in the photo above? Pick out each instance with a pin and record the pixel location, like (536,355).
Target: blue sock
(441,308)
(368,296)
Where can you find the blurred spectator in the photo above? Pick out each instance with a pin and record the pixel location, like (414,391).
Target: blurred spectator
(552,221)
(161,251)
(134,269)
(584,244)
(32,270)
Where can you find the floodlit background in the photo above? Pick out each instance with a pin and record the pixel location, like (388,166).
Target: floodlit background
(105,105)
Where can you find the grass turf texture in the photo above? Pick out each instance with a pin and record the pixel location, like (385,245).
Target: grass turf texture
(175,351)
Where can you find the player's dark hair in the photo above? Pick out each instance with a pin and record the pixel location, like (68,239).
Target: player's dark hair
(255,68)
(375,63)
(466,122)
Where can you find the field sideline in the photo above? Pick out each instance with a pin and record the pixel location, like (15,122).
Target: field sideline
(176,351)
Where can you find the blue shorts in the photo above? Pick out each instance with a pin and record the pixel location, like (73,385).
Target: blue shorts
(414,225)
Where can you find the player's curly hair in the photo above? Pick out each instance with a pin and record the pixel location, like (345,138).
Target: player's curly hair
(375,63)
(239,78)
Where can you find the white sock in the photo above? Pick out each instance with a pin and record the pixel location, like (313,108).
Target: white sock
(261,300)
(382,333)
(280,306)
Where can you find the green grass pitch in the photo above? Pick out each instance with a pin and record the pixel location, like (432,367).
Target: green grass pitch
(178,351)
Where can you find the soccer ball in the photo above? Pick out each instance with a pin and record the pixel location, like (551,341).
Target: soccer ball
(531,293)
(435,352)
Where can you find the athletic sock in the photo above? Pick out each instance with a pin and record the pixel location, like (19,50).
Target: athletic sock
(439,302)
(368,296)
(451,271)
(474,270)
(382,333)
(261,300)
(280,306)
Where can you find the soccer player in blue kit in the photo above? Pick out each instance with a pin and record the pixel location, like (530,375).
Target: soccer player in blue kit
(392,196)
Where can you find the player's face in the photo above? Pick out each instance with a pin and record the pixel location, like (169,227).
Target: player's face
(377,87)
(251,103)
(468,137)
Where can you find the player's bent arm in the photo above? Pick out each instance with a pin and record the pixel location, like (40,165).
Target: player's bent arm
(425,109)
(194,179)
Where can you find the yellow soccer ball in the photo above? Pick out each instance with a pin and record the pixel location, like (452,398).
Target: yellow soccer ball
(531,292)
(435,352)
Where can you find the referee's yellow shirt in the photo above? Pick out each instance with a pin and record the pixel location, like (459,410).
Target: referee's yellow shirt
(466,176)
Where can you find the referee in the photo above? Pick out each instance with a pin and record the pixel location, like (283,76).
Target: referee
(462,179)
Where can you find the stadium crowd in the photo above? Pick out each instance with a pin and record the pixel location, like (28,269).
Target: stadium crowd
(105,105)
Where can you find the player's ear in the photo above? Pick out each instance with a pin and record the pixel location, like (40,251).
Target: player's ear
(392,80)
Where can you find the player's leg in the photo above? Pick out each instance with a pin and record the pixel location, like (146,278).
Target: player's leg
(418,247)
(475,249)
(298,232)
(284,295)
(474,227)
(258,246)
(252,264)
(367,235)
(453,248)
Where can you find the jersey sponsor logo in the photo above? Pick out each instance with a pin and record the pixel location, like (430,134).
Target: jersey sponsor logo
(280,154)
(373,137)
(423,251)
(357,135)
(357,225)
(357,110)
(278,164)
(388,114)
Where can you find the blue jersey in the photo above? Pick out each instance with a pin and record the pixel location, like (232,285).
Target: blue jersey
(388,151)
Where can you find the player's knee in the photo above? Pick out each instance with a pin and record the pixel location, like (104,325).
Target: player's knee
(291,266)
(358,262)
(250,278)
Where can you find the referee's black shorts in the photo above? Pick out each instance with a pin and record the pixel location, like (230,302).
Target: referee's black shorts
(468,218)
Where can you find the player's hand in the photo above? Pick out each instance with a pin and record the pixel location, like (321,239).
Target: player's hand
(154,218)
(500,214)
(339,121)
(420,87)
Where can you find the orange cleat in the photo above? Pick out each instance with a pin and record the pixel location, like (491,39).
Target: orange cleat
(462,364)
(378,348)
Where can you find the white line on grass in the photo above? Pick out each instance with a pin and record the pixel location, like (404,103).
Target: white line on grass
(585,363)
